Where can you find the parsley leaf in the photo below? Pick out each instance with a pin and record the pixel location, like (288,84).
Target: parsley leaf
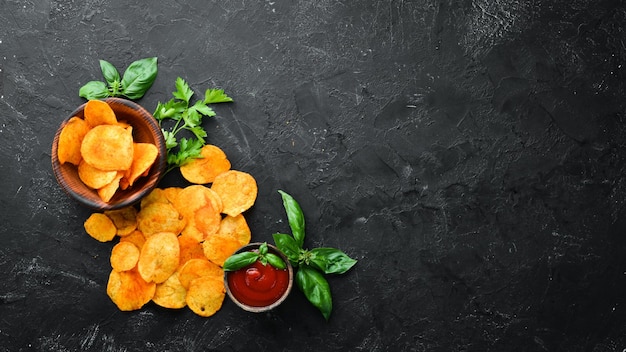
(186,117)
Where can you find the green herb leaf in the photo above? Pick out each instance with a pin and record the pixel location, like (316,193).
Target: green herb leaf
(330,260)
(263,249)
(316,289)
(138,77)
(110,74)
(213,96)
(94,90)
(183,92)
(240,260)
(275,261)
(295,217)
(288,246)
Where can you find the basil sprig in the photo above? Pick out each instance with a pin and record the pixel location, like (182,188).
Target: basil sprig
(135,82)
(243,259)
(311,265)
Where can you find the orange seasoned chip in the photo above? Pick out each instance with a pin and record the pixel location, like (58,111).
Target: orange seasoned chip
(144,155)
(195,268)
(205,295)
(100,227)
(98,112)
(108,191)
(217,248)
(207,219)
(124,256)
(171,193)
(128,290)
(125,219)
(190,248)
(94,178)
(108,147)
(190,199)
(70,140)
(170,293)
(235,227)
(157,195)
(136,237)
(159,257)
(159,217)
(237,189)
(213,161)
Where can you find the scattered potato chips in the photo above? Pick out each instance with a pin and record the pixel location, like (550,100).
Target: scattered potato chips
(159,257)
(70,140)
(128,290)
(205,295)
(237,189)
(172,249)
(124,256)
(213,161)
(100,227)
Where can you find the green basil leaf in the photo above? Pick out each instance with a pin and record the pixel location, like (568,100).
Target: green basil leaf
(263,248)
(110,74)
(287,245)
(275,261)
(295,217)
(316,289)
(240,260)
(138,77)
(94,90)
(330,260)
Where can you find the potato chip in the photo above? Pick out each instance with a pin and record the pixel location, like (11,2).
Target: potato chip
(171,193)
(203,170)
(108,191)
(237,189)
(236,227)
(159,257)
(94,178)
(205,295)
(125,219)
(190,248)
(144,155)
(207,219)
(157,195)
(159,217)
(190,199)
(108,147)
(217,248)
(136,237)
(199,267)
(98,112)
(70,140)
(128,290)
(170,293)
(124,256)
(100,227)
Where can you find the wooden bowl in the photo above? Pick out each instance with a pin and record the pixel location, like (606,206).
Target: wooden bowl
(145,130)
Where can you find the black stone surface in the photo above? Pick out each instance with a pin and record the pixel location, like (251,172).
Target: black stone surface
(470,154)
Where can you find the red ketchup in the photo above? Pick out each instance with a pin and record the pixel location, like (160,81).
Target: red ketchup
(258,285)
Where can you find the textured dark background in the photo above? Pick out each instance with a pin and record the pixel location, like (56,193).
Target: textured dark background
(470,154)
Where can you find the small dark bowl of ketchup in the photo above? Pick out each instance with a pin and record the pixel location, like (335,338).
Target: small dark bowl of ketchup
(257,287)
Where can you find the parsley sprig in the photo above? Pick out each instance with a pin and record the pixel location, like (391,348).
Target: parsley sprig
(186,117)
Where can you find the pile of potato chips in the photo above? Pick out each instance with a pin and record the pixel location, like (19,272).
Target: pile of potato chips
(172,248)
(103,150)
